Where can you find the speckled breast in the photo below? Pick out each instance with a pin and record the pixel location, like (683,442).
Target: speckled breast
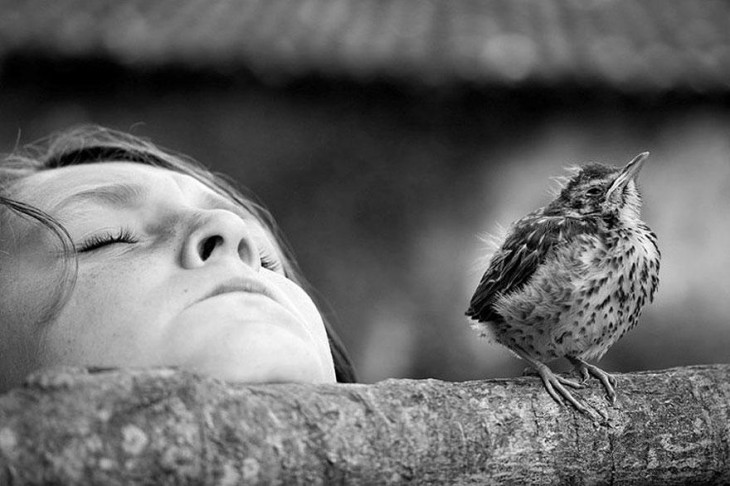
(587,295)
(621,275)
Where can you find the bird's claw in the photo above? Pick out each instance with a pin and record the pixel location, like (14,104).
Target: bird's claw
(609,381)
(583,374)
(554,382)
(555,386)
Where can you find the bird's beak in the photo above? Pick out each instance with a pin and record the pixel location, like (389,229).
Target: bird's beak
(628,173)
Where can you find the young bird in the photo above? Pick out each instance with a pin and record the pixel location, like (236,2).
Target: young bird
(570,279)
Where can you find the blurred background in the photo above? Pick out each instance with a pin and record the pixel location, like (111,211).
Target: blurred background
(388,137)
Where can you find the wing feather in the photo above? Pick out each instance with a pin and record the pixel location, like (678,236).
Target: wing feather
(532,240)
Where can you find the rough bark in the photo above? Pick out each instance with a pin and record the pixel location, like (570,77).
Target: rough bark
(173,427)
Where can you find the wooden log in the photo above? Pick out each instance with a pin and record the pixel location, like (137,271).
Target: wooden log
(173,427)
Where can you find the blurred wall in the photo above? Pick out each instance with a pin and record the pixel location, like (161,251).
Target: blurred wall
(385,192)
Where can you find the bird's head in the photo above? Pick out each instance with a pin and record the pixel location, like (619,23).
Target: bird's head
(602,190)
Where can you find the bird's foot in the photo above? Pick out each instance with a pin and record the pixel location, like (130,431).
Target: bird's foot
(586,370)
(556,387)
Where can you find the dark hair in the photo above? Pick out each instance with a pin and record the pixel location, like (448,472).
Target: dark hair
(85,145)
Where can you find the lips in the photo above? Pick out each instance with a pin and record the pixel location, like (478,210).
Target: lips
(248,285)
(254,285)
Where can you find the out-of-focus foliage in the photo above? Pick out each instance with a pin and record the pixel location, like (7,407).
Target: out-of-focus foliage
(626,45)
(388,146)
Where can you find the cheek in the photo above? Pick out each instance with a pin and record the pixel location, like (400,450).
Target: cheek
(313,319)
(110,291)
(111,318)
(32,284)
(34,275)
(304,306)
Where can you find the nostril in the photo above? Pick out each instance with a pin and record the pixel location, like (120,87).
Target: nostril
(206,247)
(245,252)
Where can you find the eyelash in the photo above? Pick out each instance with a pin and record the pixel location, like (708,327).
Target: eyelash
(123,235)
(269,262)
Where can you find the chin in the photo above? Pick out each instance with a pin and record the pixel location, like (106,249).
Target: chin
(280,362)
(257,344)
(269,374)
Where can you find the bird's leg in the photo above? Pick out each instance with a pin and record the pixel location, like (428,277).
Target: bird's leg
(586,370)
(530,371)
(554,383)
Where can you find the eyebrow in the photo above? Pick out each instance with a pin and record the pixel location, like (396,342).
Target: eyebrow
(216,200)
(122,195)
(117,195)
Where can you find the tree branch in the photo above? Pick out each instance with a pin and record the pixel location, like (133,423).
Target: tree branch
(173,427)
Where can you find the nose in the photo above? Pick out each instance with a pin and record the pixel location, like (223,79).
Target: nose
(217,234)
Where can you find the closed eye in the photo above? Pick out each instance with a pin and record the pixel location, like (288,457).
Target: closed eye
(270,262)
(97,241)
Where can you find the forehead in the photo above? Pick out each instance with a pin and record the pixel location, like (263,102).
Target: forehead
(48,188)
(596,171)
(592,173)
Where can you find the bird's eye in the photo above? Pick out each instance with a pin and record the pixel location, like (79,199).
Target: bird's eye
(593,191)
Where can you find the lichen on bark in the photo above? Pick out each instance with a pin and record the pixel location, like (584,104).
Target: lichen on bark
(172,427)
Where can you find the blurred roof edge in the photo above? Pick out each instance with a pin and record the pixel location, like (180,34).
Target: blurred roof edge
(623,45)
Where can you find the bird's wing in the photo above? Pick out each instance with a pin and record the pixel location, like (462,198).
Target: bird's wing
(530,242)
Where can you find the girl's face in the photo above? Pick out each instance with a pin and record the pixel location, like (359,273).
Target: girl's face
(170,273)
